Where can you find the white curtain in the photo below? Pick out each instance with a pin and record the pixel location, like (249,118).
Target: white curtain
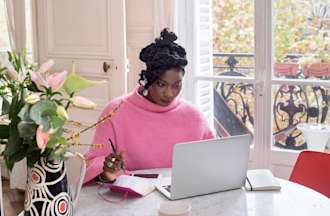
(15,14)
(164,16)
(15,11)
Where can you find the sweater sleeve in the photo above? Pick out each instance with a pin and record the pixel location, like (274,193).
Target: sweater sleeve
(207,133)
(96,156)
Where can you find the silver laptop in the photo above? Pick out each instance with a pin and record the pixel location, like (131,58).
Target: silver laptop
(207,166)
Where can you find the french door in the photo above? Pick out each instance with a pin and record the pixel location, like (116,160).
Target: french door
(238,51)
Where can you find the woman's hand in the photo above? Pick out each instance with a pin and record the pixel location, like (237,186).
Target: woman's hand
(113,166)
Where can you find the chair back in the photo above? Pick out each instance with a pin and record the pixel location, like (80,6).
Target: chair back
(312,169)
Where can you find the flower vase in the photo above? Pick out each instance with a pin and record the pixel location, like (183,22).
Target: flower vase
(47,190)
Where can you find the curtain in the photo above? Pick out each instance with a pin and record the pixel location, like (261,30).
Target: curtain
(164,16)
(15,14)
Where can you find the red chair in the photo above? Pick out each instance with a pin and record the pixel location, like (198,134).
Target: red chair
(312,169)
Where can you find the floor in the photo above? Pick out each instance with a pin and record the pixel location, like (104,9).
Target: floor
(13,200)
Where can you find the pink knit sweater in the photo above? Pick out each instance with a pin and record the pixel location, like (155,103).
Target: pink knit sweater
(146,132)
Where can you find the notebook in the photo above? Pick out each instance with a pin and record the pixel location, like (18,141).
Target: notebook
(132,185)
(261,180)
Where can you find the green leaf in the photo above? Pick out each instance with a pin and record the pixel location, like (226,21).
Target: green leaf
(19,155)
(5,106)
(17,62)
(56,140)
(10,57)
(9,162)
(58,153)
(27,129)
(4,131)
(45,122)
(13,107)
(24,52)
(33,87)
(41,110)
(24,113)
(14,141)
(75,83)
(32,158)
(56,122)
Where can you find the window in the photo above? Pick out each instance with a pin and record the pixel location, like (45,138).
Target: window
(4,36)
(4,33)
(269,71)
(301,54)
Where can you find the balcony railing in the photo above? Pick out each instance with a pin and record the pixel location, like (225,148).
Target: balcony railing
(292,104)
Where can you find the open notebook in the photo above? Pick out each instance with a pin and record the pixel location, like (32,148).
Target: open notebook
(132,185)
(261,180)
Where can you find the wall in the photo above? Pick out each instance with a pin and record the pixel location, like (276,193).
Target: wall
(139,22)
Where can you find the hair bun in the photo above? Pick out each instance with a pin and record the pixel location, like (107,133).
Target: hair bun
(166,37)
(164,52)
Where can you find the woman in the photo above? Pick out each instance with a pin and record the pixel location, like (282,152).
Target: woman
(151,119)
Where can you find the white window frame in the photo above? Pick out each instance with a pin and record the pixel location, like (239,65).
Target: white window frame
(265,155)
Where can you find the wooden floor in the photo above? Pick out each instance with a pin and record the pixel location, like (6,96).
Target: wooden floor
(13,200)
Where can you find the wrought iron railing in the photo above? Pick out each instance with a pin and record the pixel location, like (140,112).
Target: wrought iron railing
(292,104)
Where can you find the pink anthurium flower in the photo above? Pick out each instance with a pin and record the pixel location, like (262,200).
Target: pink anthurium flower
(42,138)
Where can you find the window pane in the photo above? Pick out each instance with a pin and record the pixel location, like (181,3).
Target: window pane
(294,104)
(302,39)
(4,37)
(228,107)
(233,37)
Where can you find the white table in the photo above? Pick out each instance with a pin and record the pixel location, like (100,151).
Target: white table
(316,135)
(293,199)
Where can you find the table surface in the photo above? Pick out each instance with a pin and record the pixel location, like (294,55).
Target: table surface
(293,199)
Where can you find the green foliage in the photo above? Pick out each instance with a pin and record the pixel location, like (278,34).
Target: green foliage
(35,116)
(300,27)
(42,112)
(4,131)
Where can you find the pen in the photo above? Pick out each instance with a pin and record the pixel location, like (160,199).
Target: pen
(112,146)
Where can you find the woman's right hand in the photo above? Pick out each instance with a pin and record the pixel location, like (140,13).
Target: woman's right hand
(113,166)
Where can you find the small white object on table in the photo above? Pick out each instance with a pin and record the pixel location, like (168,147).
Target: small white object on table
(293,199)
(316,135)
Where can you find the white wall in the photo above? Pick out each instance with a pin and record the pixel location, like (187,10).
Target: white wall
(139,22)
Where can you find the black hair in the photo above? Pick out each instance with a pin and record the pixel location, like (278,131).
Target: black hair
(162,55)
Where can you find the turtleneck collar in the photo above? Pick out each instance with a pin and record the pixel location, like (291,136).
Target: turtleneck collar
(142,102)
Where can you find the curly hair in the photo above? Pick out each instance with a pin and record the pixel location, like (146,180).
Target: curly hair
(162,55)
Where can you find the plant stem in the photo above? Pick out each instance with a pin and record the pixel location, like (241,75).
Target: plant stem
(108,116)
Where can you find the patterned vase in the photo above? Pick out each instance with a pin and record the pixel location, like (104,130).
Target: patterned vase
(47,191)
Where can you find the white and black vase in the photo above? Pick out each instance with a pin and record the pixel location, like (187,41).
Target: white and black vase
(47,191)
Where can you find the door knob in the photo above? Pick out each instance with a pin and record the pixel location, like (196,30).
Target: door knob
(106,67)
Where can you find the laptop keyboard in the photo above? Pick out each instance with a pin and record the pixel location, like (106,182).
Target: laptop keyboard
(167,187)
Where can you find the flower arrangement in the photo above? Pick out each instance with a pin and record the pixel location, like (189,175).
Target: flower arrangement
(33,109)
